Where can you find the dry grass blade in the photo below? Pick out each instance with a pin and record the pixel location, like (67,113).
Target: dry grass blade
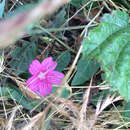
(63,112)
(2,67)
(83,109)
(26,90)
(109,100)
(66,108)
(10,122)
(33,121)
(12,29)
(69,104)
(101,106)
(65,80)
(38,118)
(22,86)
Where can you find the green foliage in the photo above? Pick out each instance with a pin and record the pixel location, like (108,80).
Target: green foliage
(78,3)
(13,92)
(63,61)
(46,39)
(125,3)
(20,9)
(109,43)
(22,57)
(103,76)
(85,70)
(2,5)
(127,112)
(81,3)
(59,19)
(65,92)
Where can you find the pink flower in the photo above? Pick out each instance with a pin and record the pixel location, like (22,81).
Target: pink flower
(43,76)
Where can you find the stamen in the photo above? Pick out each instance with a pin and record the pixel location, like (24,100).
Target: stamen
(41,76)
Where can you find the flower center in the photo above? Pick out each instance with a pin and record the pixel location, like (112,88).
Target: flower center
(42,75)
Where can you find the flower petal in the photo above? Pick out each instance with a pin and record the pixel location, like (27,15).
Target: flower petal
(55,77)
(35,88)
(48,64)
(32,83)
(45,88)
(35,67)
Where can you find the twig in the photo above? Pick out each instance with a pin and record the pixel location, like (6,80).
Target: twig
(86,28)
(62,43)
(77,12)
(98,86)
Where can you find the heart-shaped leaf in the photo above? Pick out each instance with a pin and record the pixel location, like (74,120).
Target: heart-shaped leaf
(11,91)
(22,57)
(63,60)
(85,70)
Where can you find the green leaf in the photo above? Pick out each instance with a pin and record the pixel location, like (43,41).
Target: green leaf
(63,60)
(103,76)
(5,92)
(54,88)
(85,70)
(2,5)
(78,3)
(22,57)
(109,43)
(11,91)
(46,39)
(65,92)
(59,19)
(125,3)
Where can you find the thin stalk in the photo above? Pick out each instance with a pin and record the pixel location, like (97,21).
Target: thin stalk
(62,43)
